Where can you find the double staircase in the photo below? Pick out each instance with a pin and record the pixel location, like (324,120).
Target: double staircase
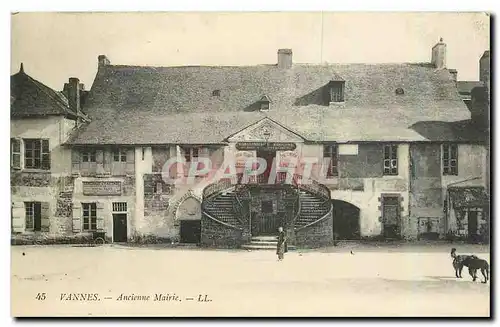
(227,206)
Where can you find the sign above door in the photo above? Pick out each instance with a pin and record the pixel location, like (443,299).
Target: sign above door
(266,146)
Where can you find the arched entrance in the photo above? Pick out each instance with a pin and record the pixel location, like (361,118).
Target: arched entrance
(189,216)
(345,220)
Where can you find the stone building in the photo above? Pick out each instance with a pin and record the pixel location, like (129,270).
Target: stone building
(174,154)
(41,121)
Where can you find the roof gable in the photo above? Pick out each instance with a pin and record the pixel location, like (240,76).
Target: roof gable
(266,130)
(30,97)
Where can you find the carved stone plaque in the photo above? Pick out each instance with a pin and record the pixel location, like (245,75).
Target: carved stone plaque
(102,188)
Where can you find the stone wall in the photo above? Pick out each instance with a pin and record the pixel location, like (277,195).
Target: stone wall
(317,235)
(217,235)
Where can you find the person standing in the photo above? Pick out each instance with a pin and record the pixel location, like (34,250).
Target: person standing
(282,247)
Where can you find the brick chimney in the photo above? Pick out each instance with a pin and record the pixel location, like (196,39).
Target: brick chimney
(72,90)
(484,69)
(285,58)
(103,60)
(439,55)
(454,74)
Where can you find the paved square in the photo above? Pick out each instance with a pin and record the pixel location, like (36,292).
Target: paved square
(370,281)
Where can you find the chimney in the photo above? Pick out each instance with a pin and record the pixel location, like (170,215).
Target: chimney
(484,69)
(103,60)
(439,55)
(285,58)
(72,91)
(454,74)
(480,105)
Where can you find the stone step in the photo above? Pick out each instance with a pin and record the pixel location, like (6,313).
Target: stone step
(273,243)
(252,246)
(264,238)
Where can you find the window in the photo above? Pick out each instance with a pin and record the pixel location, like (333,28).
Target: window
(400,91)
(120,155)
(265,103)
(89,156)
(15,153)
(119,206)
(267,206)
(336,91)
(157,188)
(33,212)
(390,159)
(216,93)
(191,154)
(450,159)
(331,152)
(36,154)
(89,216)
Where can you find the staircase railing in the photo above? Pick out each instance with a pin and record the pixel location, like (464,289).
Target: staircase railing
(312,187)
(317,220)
(220,222)
(239,209)
(297,214)
(216,188)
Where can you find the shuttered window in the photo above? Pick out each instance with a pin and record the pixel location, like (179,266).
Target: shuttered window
(89,216)
(36,154)
(15,153)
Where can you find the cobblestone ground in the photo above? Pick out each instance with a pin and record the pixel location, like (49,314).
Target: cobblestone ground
(370,281)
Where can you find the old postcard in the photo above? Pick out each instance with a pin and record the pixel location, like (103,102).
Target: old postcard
(250,164)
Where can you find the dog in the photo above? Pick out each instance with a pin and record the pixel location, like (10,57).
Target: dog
(458,261)
(474,263)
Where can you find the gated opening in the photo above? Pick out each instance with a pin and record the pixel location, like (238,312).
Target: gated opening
(346,220)
(190,231)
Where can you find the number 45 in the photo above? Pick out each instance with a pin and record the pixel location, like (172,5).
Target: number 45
(40,296)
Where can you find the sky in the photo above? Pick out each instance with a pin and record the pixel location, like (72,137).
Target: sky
(56,46)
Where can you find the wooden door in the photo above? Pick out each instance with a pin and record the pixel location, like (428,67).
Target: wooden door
(391,217)
(120,227)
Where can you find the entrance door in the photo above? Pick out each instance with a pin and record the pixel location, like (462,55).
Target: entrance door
(190,231)
(37,216)
(267,221)
(472,225)
(391,217)
(268,156)
(119,227)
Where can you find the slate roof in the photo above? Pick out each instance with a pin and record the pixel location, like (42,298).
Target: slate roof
(159,105)
(30,97)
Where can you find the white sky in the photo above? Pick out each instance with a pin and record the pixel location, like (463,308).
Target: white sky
(55,46)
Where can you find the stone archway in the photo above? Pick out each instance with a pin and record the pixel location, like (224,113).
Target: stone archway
(346,220)
(188,214)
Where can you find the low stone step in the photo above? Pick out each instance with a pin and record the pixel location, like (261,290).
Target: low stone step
(264,238)
(273,243)
(252,246)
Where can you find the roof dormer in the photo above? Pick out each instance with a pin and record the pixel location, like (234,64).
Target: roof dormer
(336,90)
(264,103)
